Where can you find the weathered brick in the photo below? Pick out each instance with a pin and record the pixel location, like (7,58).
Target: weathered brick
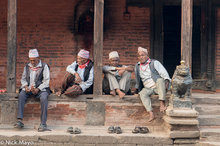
(46,26)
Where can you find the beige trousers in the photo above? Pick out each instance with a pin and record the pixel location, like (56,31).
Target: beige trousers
(145,93)
(123,83)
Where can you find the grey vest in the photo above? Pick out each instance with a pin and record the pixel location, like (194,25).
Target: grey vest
(154,74)
(39,76)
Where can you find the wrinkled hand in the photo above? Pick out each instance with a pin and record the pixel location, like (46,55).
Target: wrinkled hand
(34,90)
(27,89)
(121,70)
(77,78)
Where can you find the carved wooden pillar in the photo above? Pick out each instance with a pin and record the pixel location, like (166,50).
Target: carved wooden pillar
(186,31)
(12,47)
(98,46)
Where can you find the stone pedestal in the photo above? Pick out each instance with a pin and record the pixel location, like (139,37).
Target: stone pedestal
(181,121)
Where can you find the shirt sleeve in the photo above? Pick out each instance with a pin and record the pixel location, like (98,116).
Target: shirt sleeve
(85,85)
(46,78)
(23,79)
(161,70)
(107,68)
(71,68)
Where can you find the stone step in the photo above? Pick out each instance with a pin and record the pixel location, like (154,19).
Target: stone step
(90,136)
(208,143)
(202,98)
(207,109)
(210,133)
(209,120)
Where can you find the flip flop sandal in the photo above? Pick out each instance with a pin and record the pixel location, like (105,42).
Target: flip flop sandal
(70,129)
(43,128)
(111,129)
(19,125)
(76,131)
(144,130)
(136,130)
(118,130)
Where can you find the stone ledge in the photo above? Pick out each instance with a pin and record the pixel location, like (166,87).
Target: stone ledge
(83,98)
(184,134)
(181,121)
(191,113)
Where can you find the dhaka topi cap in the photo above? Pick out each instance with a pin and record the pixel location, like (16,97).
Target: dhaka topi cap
(83,53)
(141,49)
(113,54)
(33,53)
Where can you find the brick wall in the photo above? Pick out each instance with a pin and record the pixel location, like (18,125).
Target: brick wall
(46,24)
(218,45)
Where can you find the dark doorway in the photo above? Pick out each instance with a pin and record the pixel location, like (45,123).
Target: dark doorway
(196,43)
(172,39)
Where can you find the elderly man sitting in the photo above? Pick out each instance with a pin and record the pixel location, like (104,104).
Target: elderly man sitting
(79,77)
(34,82)
(151,78)
(118,76)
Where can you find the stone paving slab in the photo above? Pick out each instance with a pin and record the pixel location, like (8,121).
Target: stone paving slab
(91,135)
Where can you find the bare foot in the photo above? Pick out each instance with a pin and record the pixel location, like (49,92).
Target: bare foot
(120,93)
(162,106)
(112,92)
(151,118)
(58,93)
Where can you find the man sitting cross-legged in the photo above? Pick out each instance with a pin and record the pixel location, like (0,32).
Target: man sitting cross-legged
(118,76)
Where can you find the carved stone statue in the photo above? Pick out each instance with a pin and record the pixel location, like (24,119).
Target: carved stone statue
(181,81)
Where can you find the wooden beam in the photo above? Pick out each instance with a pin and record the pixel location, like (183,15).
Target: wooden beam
(12,39)
(186,32)
(98,46)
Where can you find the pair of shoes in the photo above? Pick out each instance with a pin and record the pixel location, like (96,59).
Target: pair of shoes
(19,125)
(115,129)
(43,127)
(142,130)
(73,131)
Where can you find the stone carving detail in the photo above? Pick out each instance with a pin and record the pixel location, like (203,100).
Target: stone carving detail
(181,81)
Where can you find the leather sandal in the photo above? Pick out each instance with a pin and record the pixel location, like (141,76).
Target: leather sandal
(76,131)
(70,129)
(111,129)
(144,130)
(136,130)
(118,130)
(43,127)
(19,125)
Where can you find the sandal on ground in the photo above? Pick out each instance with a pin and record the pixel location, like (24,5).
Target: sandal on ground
(19,125)
(111,129)
(118,130)
(144,130)
(43,127)
(70,129)
(136,129)
(76,131)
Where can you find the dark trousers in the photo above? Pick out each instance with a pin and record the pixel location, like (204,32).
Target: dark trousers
(68,81)
(42,95)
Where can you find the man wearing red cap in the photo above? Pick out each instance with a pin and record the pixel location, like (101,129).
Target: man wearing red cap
(79,77)
(34,82)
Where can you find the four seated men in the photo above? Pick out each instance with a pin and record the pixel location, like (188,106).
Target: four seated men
(151,78)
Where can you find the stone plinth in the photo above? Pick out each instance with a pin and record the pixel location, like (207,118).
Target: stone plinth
(182,123)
